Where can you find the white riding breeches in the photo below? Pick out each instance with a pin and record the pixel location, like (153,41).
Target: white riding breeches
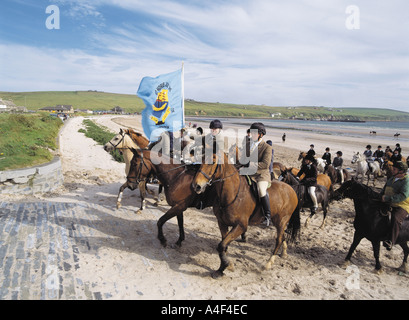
(311,191)
(262,188)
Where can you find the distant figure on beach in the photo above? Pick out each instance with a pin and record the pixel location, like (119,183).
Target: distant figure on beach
(396,135)
(283,137)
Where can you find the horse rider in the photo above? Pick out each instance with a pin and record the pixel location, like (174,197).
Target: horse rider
(368,152)
(398,148)
(213,142)
(337,164)
(262,153)
(310,181)
(396,156)
(378,155)
(311,151)
(368,155)
(270,168)
(396,191)
(327,157)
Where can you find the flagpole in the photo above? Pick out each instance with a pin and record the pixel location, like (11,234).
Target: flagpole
(183,92)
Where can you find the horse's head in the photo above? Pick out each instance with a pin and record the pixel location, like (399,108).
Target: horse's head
(207,172)
(141,167)
(301,155)
(120,141)
(346,190)
(355,157)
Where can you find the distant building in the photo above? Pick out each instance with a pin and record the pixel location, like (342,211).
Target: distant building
(59,109)
(9,106)
(117,110)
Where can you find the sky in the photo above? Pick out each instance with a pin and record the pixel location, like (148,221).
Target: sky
(337,53)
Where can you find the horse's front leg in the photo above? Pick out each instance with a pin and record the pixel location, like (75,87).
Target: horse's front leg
(142,193)
(376,245)
(175,210)
(355,242)
(235,232)
(120,194)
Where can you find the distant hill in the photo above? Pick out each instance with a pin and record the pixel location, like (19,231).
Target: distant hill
(96,100)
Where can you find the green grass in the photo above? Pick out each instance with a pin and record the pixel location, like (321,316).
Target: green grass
(25,140)
(101,135)
(132,103)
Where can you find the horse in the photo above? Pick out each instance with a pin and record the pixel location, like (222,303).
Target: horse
(366,168)
(321,163)
(238,206)
(176,179)
(304,199)
(371,221)
(372,133)
(124,141)
(335,175)
(396,135)
(322,179)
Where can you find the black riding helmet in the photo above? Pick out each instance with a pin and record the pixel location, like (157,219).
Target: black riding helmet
(216,124)
(401,166)
(339,153)
(260,127)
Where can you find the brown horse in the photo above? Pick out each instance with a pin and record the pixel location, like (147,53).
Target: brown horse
(237,206)
(176,179)
(335,175)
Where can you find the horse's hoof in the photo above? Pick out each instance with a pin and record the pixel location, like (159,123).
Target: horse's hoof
(378,271)
(118,205)
(163,242)
(345,264)
(139,211)
(217,274)
(230,267)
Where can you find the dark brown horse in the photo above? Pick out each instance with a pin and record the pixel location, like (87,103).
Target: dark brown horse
(335,175)
(303,197)
(125,141)
(237,206)
(176,179)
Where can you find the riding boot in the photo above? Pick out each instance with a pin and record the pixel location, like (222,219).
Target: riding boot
(265,202)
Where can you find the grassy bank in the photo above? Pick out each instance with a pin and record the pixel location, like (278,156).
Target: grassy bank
(101,135)
(27,140)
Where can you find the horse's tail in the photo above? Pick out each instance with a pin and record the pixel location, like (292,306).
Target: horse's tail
(294,225)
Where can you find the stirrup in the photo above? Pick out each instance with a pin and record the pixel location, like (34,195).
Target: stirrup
(267,221)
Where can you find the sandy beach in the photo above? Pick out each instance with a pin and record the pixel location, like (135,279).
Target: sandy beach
(312,270)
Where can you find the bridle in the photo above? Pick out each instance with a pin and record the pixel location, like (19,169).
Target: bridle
(122,139)
(211,181)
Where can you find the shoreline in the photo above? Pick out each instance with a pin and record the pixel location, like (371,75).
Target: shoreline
(296,140)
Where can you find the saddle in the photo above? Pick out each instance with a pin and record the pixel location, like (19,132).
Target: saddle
(253,186)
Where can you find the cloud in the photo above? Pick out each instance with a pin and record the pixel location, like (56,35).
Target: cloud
(261,52)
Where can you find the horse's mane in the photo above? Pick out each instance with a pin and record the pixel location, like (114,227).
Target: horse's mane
(363,190)
(138,138)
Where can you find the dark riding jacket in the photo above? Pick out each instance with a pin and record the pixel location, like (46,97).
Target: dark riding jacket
(311,174)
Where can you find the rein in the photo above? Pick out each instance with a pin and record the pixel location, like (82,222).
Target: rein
(222,179)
